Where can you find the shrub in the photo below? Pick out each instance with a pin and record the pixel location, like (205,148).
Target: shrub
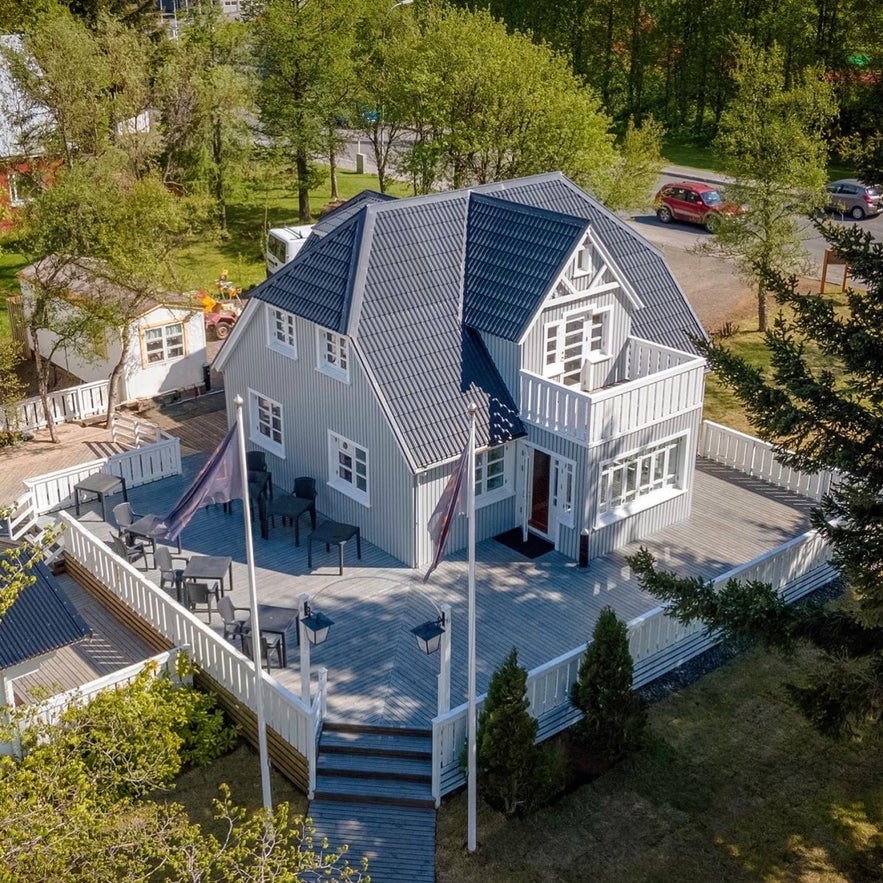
(514,774)
(614,715)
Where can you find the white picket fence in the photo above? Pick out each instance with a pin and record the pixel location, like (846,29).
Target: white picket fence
(658,644)
(285,713)
(754,457)
(65,405)
(50,711)
(153,455)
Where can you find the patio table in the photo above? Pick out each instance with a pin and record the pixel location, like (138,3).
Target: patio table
(203,567)
(148,528)
(334,532)
(292,507)
(101,484)
(276,621)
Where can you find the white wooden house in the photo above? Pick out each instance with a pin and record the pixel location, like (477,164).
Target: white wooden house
(167,350)
(359,358)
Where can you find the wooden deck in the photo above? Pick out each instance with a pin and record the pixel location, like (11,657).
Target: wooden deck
(111,647)
(545,607)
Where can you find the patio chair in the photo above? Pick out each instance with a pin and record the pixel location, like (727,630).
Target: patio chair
(130,552)
(305,487)
(234,623)
(255,461)
(165,564)
(124,516)
(269,644)
(200,595)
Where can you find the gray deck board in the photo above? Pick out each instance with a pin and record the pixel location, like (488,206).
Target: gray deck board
(543,607)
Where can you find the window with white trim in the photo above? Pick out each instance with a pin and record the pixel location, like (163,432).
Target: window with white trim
(281,332)
(163,343)
(562,490)
(493,474)
(640,476)
(584,262)
(574,340)
(265,423)
(22,188)
(333,354)
(348,467)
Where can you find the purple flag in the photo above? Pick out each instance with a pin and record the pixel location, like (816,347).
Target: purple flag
(219,481)
(450,503)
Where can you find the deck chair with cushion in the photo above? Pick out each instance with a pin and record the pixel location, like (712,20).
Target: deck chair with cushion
(130,552)
(269,644)
(234,618)
(166,565)
(200,595)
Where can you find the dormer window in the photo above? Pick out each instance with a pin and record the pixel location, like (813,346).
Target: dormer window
(574,340)
(333,354)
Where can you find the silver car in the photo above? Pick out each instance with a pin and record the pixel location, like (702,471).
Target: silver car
(850,196)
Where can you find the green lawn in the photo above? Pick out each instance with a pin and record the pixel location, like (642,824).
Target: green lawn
(735,786)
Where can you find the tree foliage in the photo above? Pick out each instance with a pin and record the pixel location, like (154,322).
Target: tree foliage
(820,405)
(70,808)
(514,774)
(772,141)
(614,716)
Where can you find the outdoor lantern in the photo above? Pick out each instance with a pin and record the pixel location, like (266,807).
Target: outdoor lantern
(317,625)
(429,634)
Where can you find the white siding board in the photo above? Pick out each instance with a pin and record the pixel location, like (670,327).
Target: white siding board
(312,404)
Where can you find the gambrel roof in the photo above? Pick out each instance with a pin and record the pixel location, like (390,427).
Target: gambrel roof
(412,280)
(40,619)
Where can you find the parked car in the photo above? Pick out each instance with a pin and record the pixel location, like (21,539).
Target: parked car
(852,197)
(694,203)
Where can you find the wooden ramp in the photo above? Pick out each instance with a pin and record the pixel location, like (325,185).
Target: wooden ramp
(374,793)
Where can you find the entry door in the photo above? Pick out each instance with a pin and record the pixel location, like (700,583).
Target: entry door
(539,492)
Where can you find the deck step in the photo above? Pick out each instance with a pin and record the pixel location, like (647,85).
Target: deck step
(405,769)
(376,743)
(351,789)
(341,727)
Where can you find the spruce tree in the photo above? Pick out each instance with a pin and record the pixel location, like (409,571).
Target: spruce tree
(614,715)
(821,405)
(506,754)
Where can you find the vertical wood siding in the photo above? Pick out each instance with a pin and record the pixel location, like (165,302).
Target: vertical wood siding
(313,403)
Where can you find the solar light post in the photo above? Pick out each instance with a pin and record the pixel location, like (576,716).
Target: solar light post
(313,628)
(432,636)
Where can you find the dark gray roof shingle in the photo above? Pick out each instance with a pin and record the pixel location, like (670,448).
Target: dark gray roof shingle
(40,619)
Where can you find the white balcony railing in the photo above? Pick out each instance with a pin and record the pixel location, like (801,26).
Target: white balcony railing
(664,382)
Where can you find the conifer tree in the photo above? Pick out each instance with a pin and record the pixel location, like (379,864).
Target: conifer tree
(614,715)
(507,755)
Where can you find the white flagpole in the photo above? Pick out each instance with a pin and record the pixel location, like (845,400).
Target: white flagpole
(471,778)
(255,625)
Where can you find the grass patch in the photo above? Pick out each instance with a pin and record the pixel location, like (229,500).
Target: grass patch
(735,786)
(197,788)
(685,152)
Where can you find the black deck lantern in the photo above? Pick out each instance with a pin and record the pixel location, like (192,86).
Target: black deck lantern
(317,625)
(429,634)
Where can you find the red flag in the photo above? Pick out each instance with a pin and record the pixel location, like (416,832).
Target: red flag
(450,503)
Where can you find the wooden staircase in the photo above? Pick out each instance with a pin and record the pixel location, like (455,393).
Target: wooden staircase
(374,793)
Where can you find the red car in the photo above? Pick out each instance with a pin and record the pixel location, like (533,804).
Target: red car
(693,203)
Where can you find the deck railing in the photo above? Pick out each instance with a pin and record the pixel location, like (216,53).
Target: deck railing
(51,710)
(73,403)
(658,644)
(754,457)
(592,417)
(284,711)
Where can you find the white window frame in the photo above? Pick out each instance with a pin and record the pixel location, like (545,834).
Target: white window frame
(641,479)
(333,354)
(494,474)
(352,478)
(593,343)
(562,489)
(583,261)
(266,425)
(282,331)
(166,351)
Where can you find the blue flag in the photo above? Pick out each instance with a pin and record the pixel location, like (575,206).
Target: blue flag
(219,481)
(450,503)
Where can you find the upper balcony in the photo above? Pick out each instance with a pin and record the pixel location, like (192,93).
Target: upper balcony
(659,382)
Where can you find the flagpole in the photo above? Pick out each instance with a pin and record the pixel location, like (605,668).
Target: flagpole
(255,625)
(472,807)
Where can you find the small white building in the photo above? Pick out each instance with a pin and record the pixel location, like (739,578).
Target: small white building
(167,350)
